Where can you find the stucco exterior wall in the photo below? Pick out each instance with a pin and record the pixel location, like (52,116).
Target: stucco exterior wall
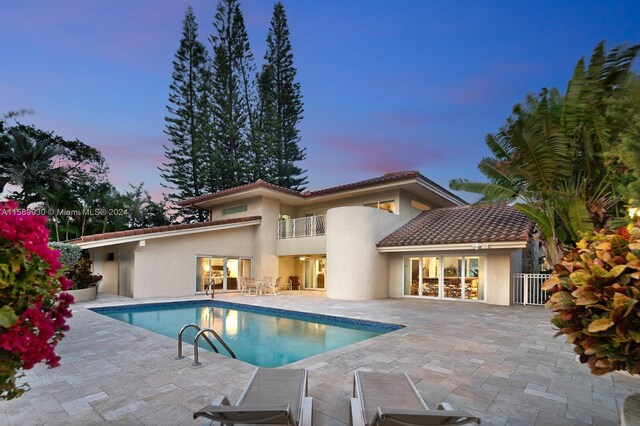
(166,267)
(356,201)
(254,208)
(396,274)
(287,268)
(117,275)
(355,268)
(302,246)
(405,204)
(499,271)
(266,261)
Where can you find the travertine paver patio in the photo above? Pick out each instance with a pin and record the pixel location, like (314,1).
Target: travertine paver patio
(499,363)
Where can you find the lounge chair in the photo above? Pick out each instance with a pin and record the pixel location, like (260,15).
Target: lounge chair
(381,399)
(272,396)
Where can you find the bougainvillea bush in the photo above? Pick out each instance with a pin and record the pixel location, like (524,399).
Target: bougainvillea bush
(33,304)
(595,293)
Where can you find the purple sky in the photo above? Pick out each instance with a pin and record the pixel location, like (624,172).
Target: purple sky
(386,86)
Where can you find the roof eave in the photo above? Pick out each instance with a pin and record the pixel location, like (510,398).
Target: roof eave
(166,234)
(489,245)
(214,200)
(442,192)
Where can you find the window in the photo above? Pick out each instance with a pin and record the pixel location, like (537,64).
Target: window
(110,257)
(235,209)
(419,206)
(388,205)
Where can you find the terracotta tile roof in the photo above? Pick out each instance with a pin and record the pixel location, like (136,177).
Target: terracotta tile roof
(388,177)
(463,224)
(156,229)
(257,184)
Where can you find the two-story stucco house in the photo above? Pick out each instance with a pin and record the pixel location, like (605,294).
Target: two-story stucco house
(397,235)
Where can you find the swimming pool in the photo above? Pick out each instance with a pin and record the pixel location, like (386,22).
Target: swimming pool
(265,337)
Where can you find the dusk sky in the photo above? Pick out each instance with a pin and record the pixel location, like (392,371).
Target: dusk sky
(386,85)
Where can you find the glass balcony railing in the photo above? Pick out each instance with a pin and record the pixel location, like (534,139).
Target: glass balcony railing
(309,226)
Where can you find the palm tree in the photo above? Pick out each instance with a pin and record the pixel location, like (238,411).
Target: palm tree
(550,156)
(30,164)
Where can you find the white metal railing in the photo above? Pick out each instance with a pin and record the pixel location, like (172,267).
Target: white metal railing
(527,289)
(309,226)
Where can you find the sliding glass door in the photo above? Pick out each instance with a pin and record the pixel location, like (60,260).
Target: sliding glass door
(448,277)
(221,272)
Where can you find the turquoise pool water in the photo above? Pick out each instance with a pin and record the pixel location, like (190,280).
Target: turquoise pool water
(260,336)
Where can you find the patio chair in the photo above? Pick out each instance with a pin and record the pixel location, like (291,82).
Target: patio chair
(243,285)
(277,284)
(381,399)
(269,285)
(294,282)
(249,286)
(272,396)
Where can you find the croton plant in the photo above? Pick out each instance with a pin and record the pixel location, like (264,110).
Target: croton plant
(595,291)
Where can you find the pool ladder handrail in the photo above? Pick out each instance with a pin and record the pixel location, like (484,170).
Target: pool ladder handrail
(180,356)
(195,344)
(199,333)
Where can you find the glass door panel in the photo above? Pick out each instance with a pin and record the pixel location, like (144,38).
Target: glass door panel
(232,274)
(430,280)
(471,278)
(217,272)
(411,276)
(245,268)
(203,273)
(321,265)
(452,278)
(308,283)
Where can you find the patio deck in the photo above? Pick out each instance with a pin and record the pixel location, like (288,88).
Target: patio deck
(499,363)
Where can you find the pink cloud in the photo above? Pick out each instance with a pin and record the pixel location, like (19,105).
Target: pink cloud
(374,155)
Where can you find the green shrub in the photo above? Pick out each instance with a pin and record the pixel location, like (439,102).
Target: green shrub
(81,274)
(69,253)
(595,293)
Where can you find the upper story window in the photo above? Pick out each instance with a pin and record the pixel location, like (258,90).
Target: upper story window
(388,205)
(235,209)
(420,206)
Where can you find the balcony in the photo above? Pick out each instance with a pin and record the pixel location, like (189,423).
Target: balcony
(310,226)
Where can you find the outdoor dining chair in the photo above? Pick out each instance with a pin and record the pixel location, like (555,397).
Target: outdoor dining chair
(250,285)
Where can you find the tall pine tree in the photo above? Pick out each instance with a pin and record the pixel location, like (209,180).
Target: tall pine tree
(185,171)
(232,103)
(280,106)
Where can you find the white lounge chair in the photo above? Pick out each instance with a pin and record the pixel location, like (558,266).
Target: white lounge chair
(381,399)
(272,396)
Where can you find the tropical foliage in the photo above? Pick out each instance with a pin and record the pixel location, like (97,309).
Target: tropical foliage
(595,294)
(33,310)
(553,156)
(67,179)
